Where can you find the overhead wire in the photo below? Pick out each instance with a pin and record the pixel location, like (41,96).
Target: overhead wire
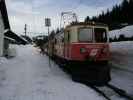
(77,6)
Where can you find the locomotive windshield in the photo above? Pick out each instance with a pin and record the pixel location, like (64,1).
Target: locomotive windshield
(86,35)
(100,35)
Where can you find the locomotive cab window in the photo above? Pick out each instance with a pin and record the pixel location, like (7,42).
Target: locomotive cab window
(100,35)
(67,37)
(85,35)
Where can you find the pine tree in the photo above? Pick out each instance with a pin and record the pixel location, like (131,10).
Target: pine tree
(57,30)
(87,19)
(114,18)
(125,12)
(130,12)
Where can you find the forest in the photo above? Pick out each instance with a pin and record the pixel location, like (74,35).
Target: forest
(118,17)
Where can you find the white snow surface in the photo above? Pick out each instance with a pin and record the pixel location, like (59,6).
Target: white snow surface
(122,55)
(29,77)
(122,65)
(3,60)
(123,80)
(127,31)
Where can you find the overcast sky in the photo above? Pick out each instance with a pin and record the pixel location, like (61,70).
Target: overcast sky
(33,12)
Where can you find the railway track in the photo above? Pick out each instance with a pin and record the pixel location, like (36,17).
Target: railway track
(108,91)
(111,92)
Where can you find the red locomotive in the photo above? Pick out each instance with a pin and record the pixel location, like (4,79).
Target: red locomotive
(84,49)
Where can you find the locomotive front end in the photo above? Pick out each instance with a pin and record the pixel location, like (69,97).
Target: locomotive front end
(92,44)
(88,51)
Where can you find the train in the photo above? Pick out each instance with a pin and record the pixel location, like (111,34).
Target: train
(83,49)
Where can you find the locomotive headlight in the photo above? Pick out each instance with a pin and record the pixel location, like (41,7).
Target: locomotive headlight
(83,50)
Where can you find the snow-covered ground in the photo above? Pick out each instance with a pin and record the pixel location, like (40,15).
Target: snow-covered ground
(122,65)
(122,79)
(122,55)
(29,77)
(122,52)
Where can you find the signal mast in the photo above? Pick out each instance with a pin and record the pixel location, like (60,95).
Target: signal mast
(25,29)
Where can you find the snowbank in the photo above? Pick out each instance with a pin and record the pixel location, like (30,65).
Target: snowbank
(122,52)
(127,31)
(2,60)
(122,55)
(122,65)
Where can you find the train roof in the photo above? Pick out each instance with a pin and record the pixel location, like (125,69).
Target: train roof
(87,23)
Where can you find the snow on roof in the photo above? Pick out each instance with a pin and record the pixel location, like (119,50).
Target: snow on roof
(8,38)
(10,34)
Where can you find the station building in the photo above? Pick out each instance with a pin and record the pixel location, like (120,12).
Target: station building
(6,35)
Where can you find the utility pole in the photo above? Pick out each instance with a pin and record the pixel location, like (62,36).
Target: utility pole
(25,29)
(48,24)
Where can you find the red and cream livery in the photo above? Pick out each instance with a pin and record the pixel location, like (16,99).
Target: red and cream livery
(83,41)
(79,44)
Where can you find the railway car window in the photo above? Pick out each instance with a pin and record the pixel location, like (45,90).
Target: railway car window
(62,39)
(67,37)
(86,35)
(100,35)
